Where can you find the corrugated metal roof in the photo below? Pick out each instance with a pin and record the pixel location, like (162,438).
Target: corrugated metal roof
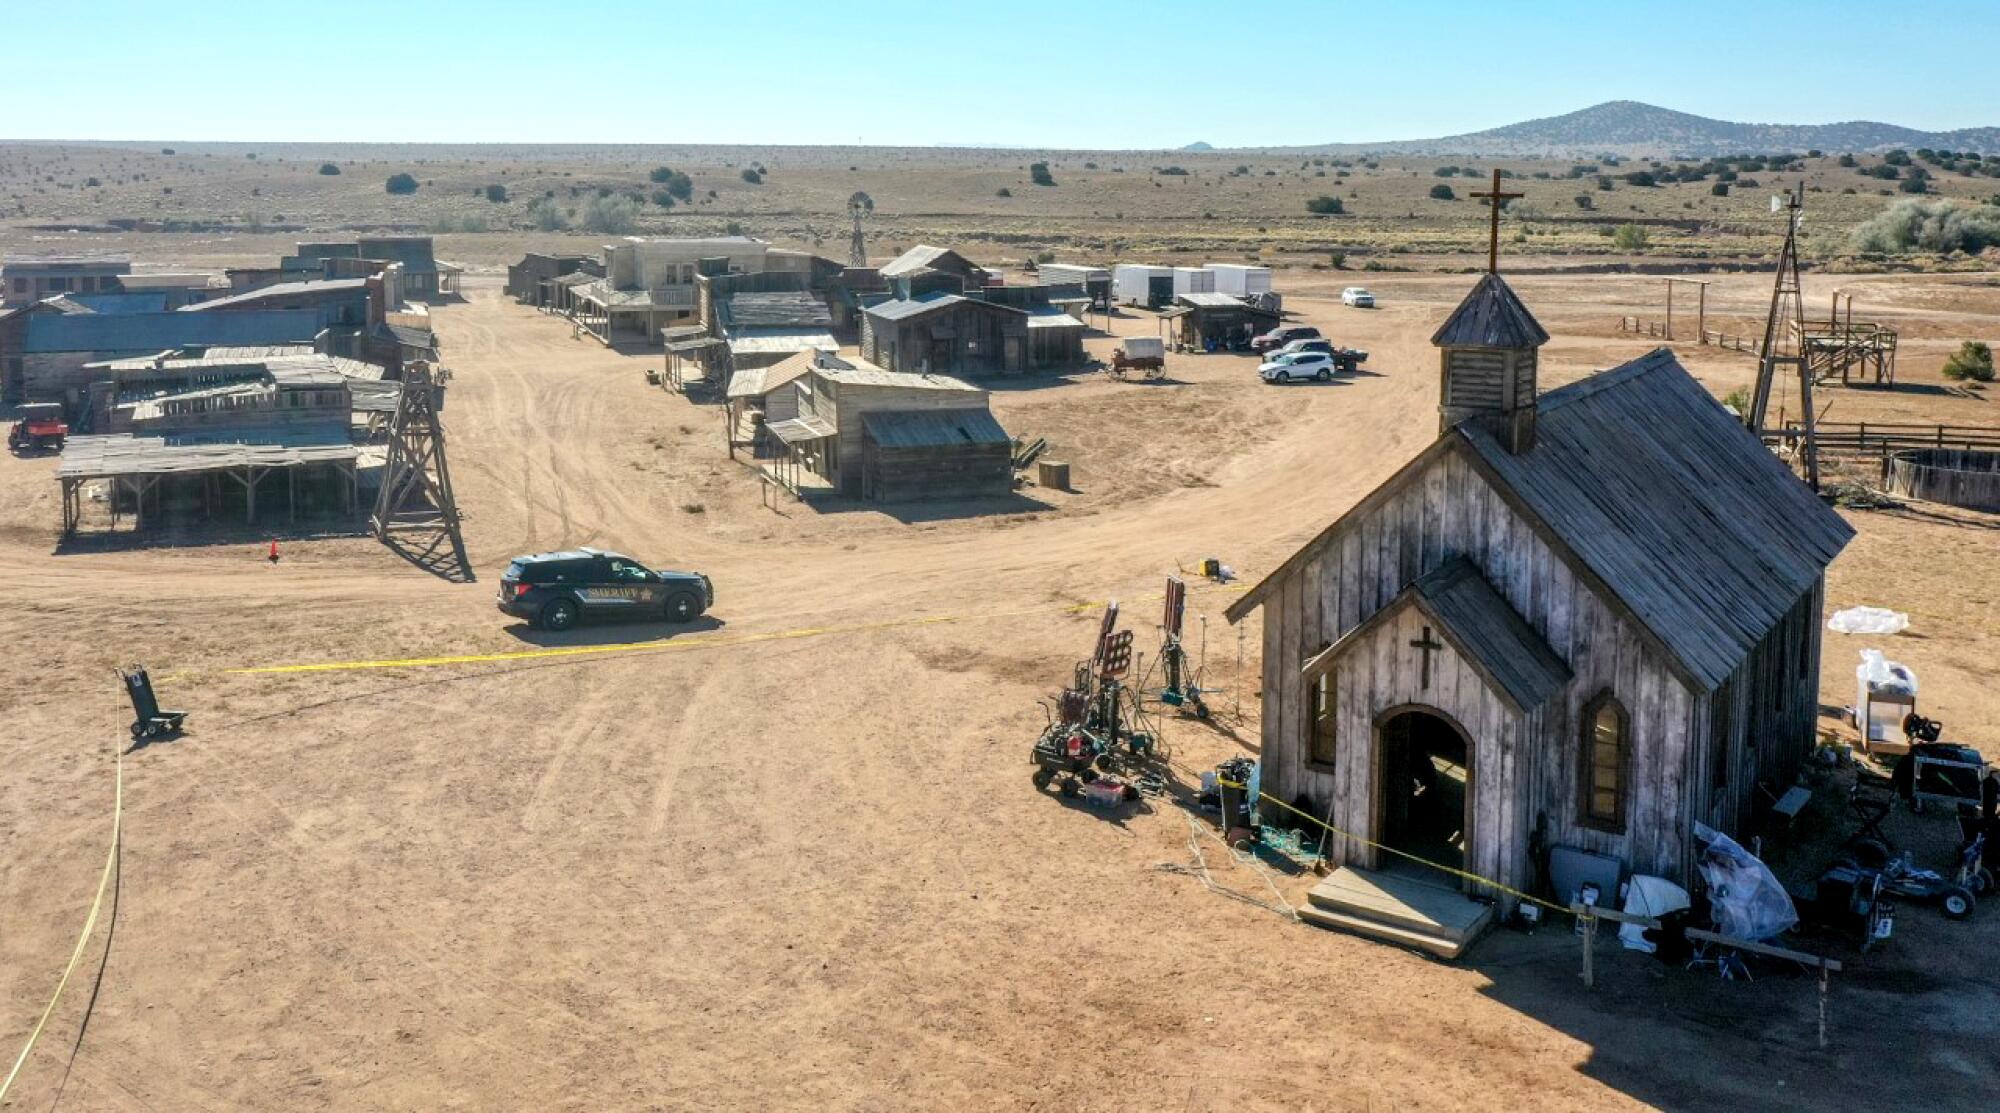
(136,302)
(754,382)
(921,257)
(798,429)
(933,428)
(1491,316)
(151,332)
(904,309)
(854,372)
(281,290)
(1056,318)
(99,457)
(1210,300)
(764,341)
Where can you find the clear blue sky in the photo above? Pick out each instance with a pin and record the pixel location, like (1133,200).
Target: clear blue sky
(1001,72)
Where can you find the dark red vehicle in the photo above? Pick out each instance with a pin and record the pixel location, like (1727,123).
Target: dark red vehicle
(38,427)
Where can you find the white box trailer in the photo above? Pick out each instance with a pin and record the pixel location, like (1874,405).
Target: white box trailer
(1193,280)
(1064,274)
(1240,280)
(1132,283)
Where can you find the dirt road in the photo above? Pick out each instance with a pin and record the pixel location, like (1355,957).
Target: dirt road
(803,872)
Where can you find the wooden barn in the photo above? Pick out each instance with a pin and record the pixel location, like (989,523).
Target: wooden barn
(925,259)
(1572,628)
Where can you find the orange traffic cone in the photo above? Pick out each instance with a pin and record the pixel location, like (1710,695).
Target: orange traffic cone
(274,551)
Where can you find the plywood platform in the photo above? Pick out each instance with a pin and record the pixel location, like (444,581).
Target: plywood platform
(1398,908)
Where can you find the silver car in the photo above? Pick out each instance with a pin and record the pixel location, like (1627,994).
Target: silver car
(1297,367)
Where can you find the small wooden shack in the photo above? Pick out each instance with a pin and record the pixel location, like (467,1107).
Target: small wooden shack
(946,334)
(886,435)
(1212,322)
(1577,624)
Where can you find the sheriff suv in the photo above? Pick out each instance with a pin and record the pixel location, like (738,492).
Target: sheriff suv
(555,590)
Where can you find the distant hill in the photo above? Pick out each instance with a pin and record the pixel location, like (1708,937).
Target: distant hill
(1625,127)
(1199,145)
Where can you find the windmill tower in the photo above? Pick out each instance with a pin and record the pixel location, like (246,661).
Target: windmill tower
(1784,337)
(857,247)
(416,494)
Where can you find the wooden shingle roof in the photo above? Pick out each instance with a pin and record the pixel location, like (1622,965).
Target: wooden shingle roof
(1491,316)
(1650,490)
(1480,625)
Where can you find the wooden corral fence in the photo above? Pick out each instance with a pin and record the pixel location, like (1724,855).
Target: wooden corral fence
(1711,337)
(1883,438)
(1955,476)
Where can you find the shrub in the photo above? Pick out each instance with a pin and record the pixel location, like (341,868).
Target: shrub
(496,194)
(1629,237)
(1604,182)
(1973,361)
(1719,189)
(1003,191)
(752,176)
(1913,185)
(1443,193)
(1584,201)
(676,183)
(735,228)
(617,215)
(1897,157)
(400,184)
(1038,173)
(1338,259)
(663,199)
(1324,205)
(329,169)
(1172,171)
(1640,178)
(1935,225)
(547,215)
(166,150)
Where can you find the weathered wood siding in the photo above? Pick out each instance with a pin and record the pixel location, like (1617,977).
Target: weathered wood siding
(1447,510)
(1758,726)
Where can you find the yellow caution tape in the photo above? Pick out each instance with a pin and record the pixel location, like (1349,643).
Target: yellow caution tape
(89,924)
(683,642)
(1455,872)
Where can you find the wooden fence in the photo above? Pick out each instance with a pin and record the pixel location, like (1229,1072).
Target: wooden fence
(1711,337)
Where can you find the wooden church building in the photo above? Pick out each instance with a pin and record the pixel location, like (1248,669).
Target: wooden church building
(1585,619)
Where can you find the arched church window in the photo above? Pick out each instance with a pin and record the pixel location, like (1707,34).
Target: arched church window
(1606,746)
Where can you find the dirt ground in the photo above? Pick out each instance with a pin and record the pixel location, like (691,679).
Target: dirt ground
(791,857)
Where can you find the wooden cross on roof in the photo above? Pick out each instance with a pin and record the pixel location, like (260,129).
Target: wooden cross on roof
(1498,201)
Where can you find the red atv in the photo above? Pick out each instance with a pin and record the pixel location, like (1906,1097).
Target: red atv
(38,428)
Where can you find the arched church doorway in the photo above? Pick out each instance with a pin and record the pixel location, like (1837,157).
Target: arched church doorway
(1425,790)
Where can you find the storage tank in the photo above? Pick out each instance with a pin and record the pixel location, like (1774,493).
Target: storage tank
(1240,280)
(1131,282)
(1193,280)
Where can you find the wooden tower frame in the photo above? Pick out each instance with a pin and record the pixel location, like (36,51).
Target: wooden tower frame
(416,493)
(1784,329)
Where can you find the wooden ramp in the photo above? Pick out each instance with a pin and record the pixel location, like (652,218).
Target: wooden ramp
(1398,908)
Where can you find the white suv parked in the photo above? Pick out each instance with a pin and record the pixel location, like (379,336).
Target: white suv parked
(1358,297)
(1297,367)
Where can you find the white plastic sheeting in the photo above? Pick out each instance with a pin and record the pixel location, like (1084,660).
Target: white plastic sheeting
(1646,895)
(1868,620)
(1883,676)
(1748,900)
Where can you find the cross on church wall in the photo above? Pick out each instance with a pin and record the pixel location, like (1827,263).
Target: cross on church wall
(1497,201)
(1427,645)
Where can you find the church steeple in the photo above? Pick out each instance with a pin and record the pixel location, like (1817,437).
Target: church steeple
(1487,352)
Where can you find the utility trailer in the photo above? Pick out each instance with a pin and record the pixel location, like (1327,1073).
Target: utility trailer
(1134,284)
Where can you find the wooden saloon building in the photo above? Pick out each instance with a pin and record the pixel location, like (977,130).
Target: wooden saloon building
(1575,625)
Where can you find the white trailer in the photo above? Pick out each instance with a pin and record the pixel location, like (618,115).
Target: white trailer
(1066,274)
(1240,280)
(1193,280)
(1131,283)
